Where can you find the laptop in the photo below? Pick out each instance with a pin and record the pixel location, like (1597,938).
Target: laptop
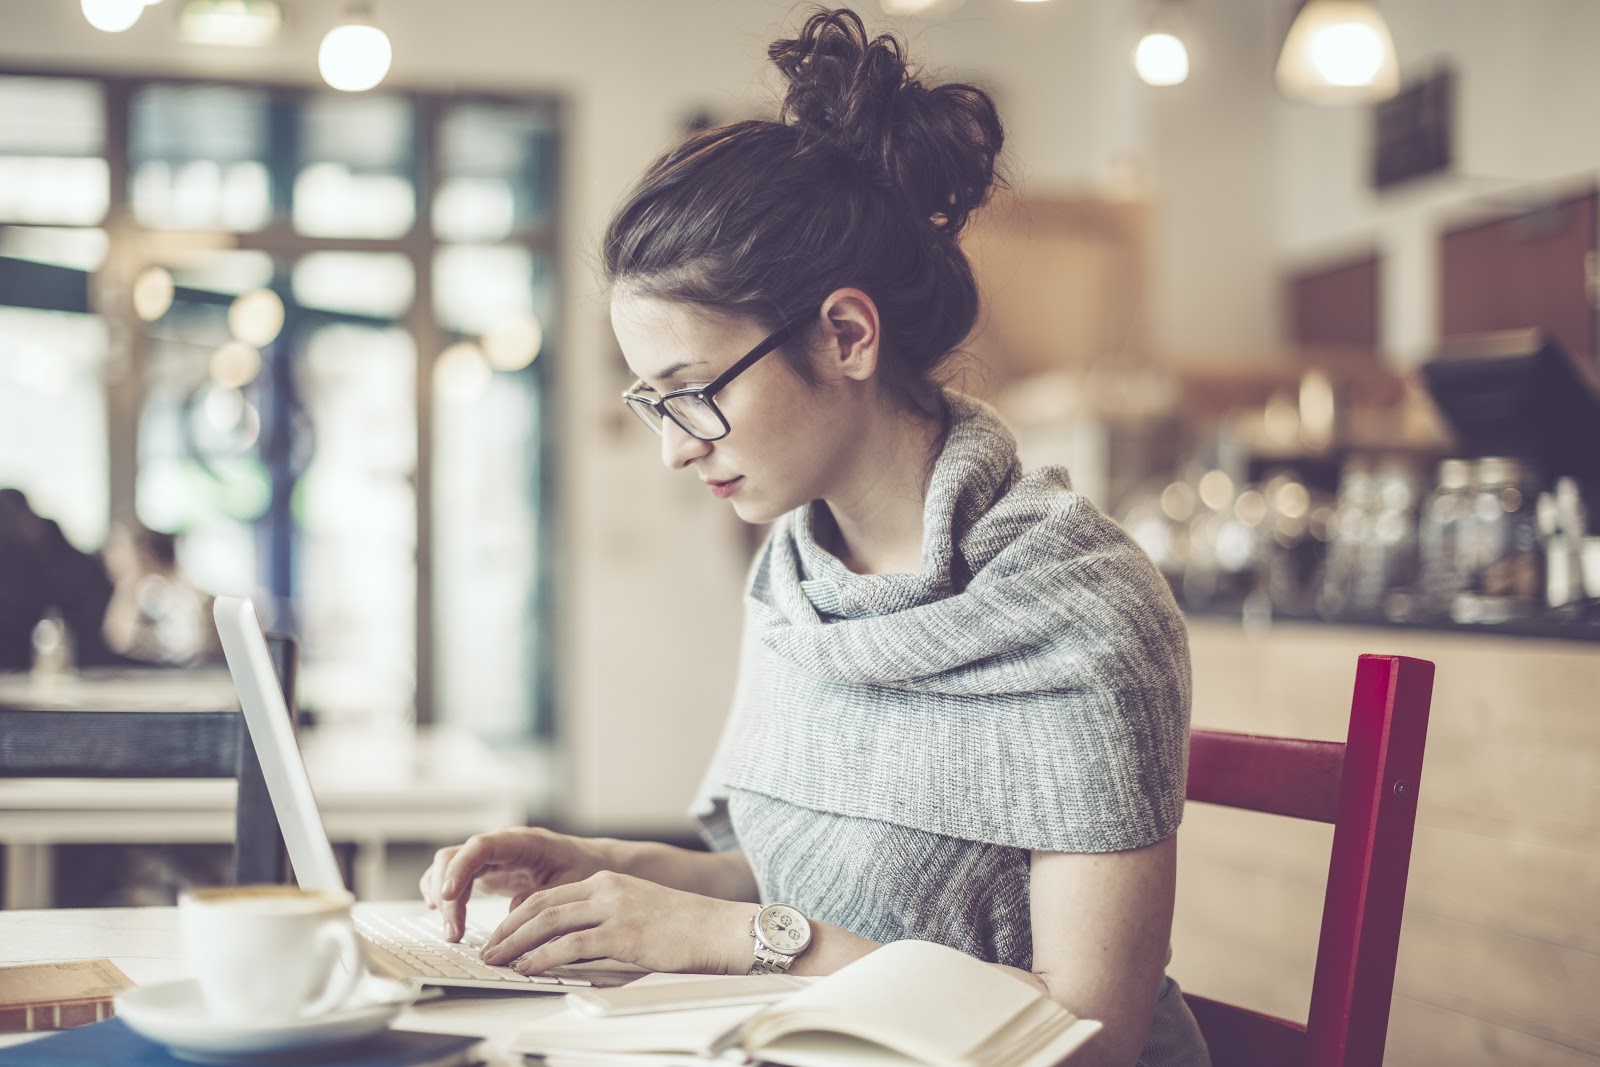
(403,939)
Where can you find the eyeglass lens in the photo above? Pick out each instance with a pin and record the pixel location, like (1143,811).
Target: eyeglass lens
(691,412)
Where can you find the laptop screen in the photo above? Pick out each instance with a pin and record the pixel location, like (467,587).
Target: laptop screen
(266,716)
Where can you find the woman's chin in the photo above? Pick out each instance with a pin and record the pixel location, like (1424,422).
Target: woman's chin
(755,512)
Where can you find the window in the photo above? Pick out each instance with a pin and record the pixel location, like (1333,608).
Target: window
(266,408)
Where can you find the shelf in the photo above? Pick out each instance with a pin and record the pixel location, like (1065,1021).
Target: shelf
(1538,629)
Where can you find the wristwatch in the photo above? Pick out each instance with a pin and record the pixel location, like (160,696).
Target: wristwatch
(781,933)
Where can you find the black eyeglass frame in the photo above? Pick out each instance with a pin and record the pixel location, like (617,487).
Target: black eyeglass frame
(771,343)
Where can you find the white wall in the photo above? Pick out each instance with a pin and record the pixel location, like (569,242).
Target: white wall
(650,568)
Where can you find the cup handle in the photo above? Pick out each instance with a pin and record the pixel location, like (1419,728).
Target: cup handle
(346,966)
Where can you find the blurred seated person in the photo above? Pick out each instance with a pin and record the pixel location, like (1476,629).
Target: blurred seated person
(41,572)
(156,615)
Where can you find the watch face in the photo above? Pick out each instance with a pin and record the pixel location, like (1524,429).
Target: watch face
(783,928)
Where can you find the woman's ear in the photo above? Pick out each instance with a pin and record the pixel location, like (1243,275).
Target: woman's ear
(849,347)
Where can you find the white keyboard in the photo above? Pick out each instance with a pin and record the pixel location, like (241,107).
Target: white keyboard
(411,946)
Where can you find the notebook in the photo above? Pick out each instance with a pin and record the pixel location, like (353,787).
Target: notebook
(112,1042)
(403,940)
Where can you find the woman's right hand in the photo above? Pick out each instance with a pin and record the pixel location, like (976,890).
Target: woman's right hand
(516,862)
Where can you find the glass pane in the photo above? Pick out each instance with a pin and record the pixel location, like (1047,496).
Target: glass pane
(80,249)
(478,288)
(356,181)
(198,464)
(358,283)
(200,157)
(51,116)
(227,273)
(53,418)
(486,555)
(355,509)
(54,189)
(498,172)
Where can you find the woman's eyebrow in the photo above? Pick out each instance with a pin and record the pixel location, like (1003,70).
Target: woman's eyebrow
(674,370)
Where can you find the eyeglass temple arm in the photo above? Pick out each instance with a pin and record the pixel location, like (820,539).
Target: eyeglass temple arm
(781,337)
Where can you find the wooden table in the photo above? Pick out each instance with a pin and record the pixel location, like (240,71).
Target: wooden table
(145,943)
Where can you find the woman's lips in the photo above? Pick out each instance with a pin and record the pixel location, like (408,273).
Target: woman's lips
(723,490)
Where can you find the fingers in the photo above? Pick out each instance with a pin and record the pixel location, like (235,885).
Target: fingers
(531,907)
(570,947)
(432,878)
(480,851)
(549,939)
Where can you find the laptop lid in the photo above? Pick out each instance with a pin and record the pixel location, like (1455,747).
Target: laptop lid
(266,716)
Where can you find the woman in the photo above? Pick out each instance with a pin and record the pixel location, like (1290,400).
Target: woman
(962,711)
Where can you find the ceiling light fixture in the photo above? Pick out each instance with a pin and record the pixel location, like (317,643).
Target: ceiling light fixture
(1336,52)
(112,16)
(355,55)
(230,23)
(1161,58)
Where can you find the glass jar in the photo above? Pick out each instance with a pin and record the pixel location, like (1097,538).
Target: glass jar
(1343,590)
(1388,581)
(1443,542)
(1506,575)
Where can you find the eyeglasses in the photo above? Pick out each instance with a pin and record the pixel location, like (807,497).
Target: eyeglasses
(693,410)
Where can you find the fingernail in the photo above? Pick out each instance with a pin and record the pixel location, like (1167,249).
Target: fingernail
(449,889)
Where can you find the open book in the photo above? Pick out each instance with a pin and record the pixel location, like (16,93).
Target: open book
(910,1002)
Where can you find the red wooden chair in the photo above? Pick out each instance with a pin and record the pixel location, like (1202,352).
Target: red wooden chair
(1367,788)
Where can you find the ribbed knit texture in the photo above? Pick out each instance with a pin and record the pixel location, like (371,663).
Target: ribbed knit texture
(900,742)
(1029,686)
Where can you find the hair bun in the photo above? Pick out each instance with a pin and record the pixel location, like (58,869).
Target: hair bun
(935,147)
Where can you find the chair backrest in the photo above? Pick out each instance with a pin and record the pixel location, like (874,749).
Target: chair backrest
(1367,788)
(55,742)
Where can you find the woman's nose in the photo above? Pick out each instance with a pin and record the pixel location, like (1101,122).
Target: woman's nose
(679,448)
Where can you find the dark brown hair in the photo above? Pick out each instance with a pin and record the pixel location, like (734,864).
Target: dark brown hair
(866,180)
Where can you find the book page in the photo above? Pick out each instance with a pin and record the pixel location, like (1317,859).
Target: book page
(691,1031)
(925,1001)
(814,1049)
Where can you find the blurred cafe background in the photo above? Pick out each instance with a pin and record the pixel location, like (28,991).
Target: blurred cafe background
(297,301)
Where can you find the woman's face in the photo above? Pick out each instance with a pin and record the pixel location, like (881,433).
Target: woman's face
(787,438)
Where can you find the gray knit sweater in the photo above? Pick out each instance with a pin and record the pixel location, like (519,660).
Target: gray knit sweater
(899,743)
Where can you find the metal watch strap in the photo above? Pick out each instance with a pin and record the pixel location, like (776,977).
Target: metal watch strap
(767,961)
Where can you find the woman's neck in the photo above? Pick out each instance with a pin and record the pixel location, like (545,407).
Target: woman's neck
(876,511)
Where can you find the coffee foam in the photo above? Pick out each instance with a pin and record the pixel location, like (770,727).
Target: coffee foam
(268,900)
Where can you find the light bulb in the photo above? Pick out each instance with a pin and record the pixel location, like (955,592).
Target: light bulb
(152,293)
(1349,54)
(460,373)
(256,317)
(354,57)
(235,365)
(513,344)
(1338,51)
(112,16)
(1161,59)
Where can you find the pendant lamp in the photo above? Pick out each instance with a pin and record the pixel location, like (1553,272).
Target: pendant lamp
(1338,52)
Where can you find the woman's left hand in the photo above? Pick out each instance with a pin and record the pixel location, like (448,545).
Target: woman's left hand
(631,920)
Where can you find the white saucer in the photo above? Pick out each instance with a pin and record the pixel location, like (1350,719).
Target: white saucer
(173,1014)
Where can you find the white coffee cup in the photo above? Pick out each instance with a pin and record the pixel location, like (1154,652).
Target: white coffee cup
(271,954)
